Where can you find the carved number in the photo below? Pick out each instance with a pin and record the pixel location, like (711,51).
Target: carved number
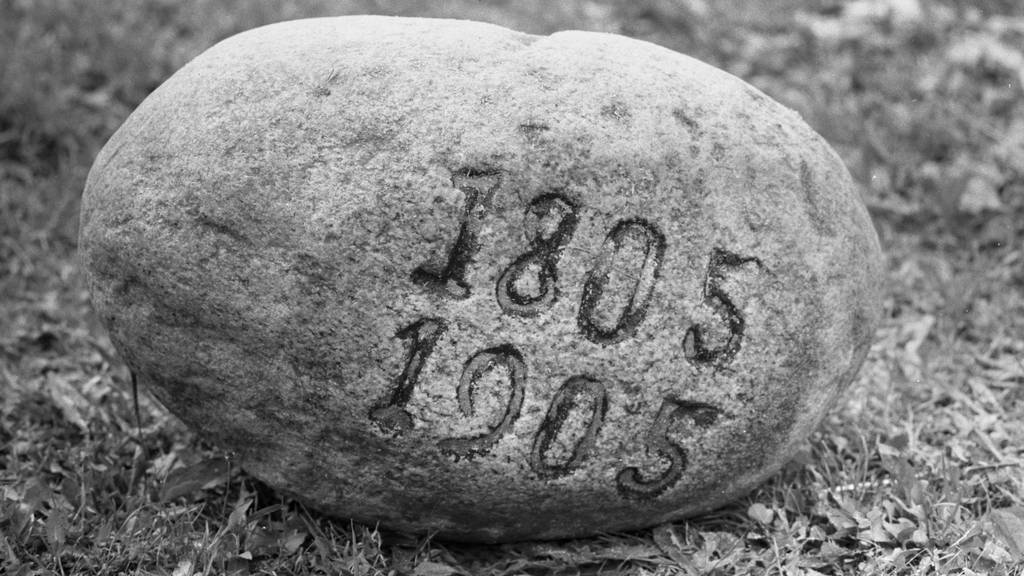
(450,279)
(577,393)
(475,369)
(597,279)
(390,414)
(543,254)
(695,342)
(630,481)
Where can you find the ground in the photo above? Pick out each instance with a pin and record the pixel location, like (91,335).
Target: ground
(919,469)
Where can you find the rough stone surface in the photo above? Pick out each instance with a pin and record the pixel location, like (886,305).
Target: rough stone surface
(445,276)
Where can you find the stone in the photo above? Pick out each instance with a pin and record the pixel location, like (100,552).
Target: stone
(443,276)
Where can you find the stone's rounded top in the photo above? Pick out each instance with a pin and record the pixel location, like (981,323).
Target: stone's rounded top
(445,276)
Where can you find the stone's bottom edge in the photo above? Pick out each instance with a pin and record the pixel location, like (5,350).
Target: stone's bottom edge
(504,535)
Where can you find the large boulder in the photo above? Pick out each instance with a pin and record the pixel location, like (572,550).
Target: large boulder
(445,276)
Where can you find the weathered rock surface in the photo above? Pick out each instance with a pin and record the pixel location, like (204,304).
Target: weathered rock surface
(445,276)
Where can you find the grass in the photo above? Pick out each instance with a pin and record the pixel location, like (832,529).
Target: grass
(918,470)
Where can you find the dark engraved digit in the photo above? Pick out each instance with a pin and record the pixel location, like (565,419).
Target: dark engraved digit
(575,396)
(633,312)
(552,220)
(390,414)
(507,357)
(630,481)
(695,343)
(450,279)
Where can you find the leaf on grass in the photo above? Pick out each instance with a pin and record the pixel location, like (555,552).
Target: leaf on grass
(429,568)
(1009,527)
(237,566)
(184,568)
(875,531)
(832,551)
(995,551)
(36,494)
(902,530)
(56,529)
(67,396)
(913,334)
(668,541)
(760,513)
(202,475)
(568,553)
(70,490)
(980,195)
(844,523)
(719,543)
(628,552)
(239,513)
(294,540)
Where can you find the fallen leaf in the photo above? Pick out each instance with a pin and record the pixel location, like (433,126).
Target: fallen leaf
(238,515)
(832,551)
(994,551)
(760,513)
(202,475)
(844,523)
(184,568)
(1008,524)
(429,568)
(56,529)
(666,539)
(721,543)
(875,530)
(628,552)
(294,541)
(36,494)
(980,195)
(66,396)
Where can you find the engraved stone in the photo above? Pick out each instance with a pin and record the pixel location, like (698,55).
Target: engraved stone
(449,277)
